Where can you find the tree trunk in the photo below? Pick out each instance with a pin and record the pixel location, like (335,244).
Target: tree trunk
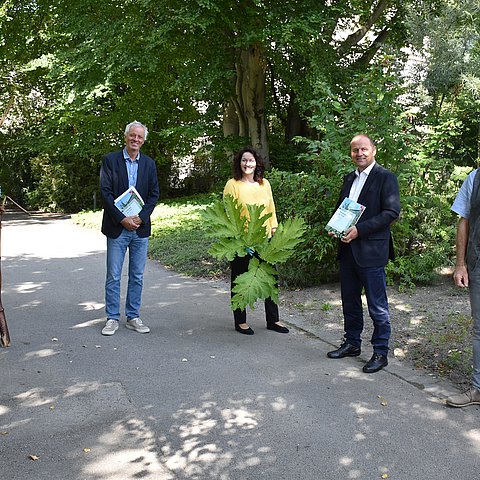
(296,125)
(250,98)
(230,120)
(231,127)
(7,110)
(4,335)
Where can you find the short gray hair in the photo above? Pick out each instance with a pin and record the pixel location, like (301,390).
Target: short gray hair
(136,124)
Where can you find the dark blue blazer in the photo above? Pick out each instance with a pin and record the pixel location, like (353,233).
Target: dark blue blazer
(114,181)
(374,246)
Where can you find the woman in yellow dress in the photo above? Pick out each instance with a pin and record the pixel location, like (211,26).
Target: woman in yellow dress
(250,188)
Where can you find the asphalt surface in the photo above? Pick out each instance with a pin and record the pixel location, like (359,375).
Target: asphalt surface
(194,399)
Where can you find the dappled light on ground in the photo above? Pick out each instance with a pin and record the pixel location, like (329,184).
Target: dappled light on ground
(47,352)
(197,440)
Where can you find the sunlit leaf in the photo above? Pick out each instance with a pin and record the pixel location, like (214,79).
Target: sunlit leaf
(258,283)
(238,236)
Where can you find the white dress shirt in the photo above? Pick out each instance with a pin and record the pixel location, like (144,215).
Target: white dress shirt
(359,182)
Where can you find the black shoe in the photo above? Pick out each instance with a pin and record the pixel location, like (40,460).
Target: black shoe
(376,363)
(277,328)
(245,331)
(345,350)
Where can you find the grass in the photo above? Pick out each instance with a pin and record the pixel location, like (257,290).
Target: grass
(179,240)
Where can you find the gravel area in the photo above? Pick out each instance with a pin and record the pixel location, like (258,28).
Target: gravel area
(431,326)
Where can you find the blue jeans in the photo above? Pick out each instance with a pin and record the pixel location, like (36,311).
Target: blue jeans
(474,288)
(137,257)
(353,280)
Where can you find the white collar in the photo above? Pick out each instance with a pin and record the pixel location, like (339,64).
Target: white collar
(367,170)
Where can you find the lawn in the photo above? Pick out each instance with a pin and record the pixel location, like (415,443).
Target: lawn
(179,240)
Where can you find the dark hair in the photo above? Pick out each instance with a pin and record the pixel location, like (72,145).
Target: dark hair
(259,169)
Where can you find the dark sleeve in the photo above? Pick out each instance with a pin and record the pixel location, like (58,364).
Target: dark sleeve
(107,191)
(153,193)
(388,209)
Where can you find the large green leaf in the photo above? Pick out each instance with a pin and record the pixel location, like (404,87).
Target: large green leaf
(256,234)
(228,248)
(282,245)
(224,220)
(233,211)
(258,283)
(236,237)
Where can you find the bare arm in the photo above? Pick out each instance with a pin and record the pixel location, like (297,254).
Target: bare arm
(460,276)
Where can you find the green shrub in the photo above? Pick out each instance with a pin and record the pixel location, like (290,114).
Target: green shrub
(313,198)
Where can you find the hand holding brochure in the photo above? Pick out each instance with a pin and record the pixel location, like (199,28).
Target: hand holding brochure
(130,202)
(346,215)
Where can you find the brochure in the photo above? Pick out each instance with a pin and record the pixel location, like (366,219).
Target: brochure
(130,202)
(346,215)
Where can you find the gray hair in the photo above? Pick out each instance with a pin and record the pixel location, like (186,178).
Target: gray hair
(136,124)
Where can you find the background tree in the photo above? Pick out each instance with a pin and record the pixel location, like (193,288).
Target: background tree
(193,71)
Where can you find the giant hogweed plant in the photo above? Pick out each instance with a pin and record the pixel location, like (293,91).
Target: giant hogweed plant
(239,236)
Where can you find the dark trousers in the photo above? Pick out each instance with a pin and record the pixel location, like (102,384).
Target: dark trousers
(353,280)
(238,266)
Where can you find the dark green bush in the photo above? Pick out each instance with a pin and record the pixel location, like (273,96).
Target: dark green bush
(313,198)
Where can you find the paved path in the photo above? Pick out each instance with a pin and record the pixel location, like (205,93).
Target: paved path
(194,399)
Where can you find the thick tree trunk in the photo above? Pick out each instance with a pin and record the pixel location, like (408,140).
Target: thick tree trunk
(296,125)
(249,99)
(231,127)
(230,120)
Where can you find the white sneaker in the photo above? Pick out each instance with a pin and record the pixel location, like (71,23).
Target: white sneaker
(110,327)
(137,325)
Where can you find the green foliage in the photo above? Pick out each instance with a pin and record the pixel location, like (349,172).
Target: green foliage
(312,198)
(180,239)
(258,283)
(91,67)
(238,235)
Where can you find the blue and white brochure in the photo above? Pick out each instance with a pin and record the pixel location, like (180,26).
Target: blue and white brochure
(346,215)
(130,202)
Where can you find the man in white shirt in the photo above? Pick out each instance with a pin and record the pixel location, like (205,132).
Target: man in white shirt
(364,250)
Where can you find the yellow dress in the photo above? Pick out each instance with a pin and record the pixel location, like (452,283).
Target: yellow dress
(254,194)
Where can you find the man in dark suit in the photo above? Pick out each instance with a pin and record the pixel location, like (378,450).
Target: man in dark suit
(364,250)
(121,170)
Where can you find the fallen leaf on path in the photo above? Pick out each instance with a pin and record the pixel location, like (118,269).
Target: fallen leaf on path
(383,402)
(86,450)
(33,457)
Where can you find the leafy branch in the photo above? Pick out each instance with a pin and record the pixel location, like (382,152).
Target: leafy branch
(239,235)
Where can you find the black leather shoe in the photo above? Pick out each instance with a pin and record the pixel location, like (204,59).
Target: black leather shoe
(277,328)
(245,331)
(345,350)
(376,363)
